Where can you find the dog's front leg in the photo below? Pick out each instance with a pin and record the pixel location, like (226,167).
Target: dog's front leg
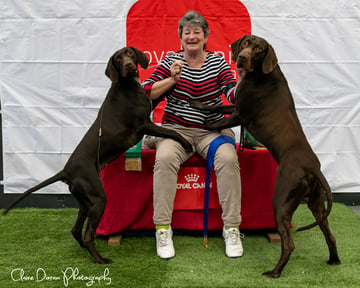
(154,130)
(223,109)
(231,121)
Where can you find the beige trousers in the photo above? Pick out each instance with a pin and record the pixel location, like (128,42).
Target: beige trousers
(170,155)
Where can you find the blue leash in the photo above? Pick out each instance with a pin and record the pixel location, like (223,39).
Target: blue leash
(209,163)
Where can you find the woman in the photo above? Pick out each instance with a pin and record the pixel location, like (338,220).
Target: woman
(193,73)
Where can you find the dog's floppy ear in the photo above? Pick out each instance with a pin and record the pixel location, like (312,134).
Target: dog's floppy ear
(141,57)
(270,60)
(235,48)
(111,70)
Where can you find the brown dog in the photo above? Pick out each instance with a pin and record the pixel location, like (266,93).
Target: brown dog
(122,121)
(264,105)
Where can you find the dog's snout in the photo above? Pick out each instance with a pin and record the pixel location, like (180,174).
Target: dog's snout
(243,57)
(129,68)
(129,64)
(243,60)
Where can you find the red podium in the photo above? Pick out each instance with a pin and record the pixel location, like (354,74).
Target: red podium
(130,198)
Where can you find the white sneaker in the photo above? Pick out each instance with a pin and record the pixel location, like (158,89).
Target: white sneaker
(164,244)
(233,245)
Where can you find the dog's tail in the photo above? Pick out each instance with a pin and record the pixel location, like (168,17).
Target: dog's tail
(57,177)
(324,184)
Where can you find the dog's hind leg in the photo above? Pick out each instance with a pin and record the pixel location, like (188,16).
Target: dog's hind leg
(285,202)
(95,213)
(79,224)
(317,206)
(92,197)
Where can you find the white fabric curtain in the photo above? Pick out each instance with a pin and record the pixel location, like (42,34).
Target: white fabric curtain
(53,55)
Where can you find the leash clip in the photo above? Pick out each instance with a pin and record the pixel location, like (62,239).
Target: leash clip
(205,242)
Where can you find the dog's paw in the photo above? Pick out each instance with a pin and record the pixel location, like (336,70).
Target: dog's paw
(206,125)
(104,261)
(196,104)
(334,261)
(209,126)
(271,274)
(188,147)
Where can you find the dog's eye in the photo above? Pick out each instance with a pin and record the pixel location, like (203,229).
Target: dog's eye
(258,49)
(129,53)
(245,44)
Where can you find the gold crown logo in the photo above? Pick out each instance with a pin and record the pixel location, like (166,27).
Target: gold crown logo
(192,177)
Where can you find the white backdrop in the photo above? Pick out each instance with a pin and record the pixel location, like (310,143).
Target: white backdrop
(53,55)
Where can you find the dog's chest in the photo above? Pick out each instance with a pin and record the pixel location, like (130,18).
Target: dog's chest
(246,98)
(131,99)
(253,94)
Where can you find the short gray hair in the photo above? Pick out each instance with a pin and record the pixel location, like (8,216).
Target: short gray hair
(192,18)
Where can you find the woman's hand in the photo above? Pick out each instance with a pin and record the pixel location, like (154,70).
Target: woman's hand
(175,69)
(160,87)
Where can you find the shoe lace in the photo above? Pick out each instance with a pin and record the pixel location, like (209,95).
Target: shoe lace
(163,238)
(234,236)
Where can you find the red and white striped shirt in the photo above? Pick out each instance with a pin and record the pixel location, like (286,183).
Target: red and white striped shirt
(205,84)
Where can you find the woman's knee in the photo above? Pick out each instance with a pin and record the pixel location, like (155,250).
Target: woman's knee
(167,157)
(226,156)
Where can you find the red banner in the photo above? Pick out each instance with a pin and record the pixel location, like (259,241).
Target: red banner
(152,26)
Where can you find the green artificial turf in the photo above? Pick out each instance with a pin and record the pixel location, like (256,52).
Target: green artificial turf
(38,250)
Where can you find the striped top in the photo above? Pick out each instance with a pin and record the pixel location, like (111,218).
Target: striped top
(205,84)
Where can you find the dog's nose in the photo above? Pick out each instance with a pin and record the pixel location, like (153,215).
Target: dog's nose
(242,57)
(128,64)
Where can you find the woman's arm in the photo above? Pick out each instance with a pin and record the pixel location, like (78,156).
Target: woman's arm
(227,80)
(162,86)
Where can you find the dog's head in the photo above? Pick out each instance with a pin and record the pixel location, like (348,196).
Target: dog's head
(252,53)
(124,63)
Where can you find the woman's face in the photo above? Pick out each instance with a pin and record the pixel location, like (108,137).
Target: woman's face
(193,38)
